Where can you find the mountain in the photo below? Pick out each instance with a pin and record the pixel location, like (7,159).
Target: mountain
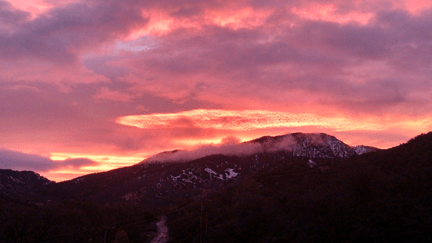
(313,145)
(187,174)
(22,185)
(381,196)
(172,174)
(291,188)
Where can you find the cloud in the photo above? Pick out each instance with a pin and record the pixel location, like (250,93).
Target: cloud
(22,161)
(9,15)
(47,118)
(64,32)
(239,120)
(218,52)
(349,65)
(70,69)
(224,149)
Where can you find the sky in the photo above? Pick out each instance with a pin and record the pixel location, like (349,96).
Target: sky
(89,86)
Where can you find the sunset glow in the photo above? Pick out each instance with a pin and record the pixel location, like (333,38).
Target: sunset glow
(242,120)
(89,86)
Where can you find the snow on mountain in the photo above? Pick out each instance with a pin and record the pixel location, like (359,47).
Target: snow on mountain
(361,149)
(309,145)
(313,145)
(172,172)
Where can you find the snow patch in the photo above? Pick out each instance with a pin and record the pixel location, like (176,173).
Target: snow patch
(174,178)
(210,171)
(231,173)
(361,149)
(311,163)
(215,175)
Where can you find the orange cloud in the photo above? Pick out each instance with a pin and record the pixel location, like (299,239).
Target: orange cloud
(247,124)
(162,22)
(242,18)
(243,120)
(70,70)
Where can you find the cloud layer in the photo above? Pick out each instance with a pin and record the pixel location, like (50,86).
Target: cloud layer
(71,69)
(241,120)
(21,161)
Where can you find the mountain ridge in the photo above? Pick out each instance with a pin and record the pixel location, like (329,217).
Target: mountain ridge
(313,145)
(269,196)
(190,173)
(153,178)
(310,145)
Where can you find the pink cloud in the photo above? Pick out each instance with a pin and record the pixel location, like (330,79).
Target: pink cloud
(70,69)
(106,94)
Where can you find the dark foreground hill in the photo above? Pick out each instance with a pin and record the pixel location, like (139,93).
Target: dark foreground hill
(22,185)
(316,189)
(379,197)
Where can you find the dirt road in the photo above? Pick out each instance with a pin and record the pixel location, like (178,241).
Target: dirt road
(162,231)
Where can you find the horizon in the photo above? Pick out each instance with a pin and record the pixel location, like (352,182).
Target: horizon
(90,86)
(230,146)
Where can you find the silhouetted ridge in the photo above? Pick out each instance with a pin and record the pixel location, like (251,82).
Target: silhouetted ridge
(425,138)
(417,150)
(21,184)
(418,145)
(279,194)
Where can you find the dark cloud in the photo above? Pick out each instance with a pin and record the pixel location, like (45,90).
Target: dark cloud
(9,15)
(286,54)
(348,62)
(63,33)
(21,161)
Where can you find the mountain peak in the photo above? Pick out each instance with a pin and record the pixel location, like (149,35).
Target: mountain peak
(311,145)
(316,137)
